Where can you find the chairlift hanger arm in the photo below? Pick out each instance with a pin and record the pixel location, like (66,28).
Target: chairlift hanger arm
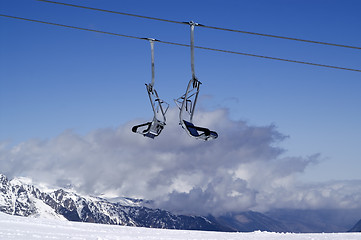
(154,128)
(151,85)
(192,25)
(191,96)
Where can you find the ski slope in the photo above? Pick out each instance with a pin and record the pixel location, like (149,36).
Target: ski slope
(14,227)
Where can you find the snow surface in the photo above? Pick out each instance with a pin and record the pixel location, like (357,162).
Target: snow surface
(45,211)
(21,228)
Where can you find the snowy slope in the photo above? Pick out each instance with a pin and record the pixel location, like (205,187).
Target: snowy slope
(20,228)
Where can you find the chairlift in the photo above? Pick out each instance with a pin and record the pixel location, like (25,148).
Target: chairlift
(187,102)
(154,128)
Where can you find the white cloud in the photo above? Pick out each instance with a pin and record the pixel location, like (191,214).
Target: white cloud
(243,169)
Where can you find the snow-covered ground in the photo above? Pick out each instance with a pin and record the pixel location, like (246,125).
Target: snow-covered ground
(14,227)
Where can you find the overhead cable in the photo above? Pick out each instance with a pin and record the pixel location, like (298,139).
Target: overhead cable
(181,44)
(115,12)
(205,26)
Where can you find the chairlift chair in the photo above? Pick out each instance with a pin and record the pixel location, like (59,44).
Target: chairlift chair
(187,102)
(154,128)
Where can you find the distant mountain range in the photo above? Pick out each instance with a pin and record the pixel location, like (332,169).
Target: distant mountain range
(19,197)
(356,228)
(321,220)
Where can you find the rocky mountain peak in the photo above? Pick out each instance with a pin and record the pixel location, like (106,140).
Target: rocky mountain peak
(19,197)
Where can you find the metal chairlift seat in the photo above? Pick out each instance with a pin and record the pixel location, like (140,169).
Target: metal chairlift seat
(199,132)
(149,129)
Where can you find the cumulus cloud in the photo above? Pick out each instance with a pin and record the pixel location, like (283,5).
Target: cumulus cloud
(243,169)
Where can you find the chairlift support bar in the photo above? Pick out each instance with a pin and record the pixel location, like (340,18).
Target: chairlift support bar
(153,128)
(192,25)
(151,40)
(191,96)
(196,83)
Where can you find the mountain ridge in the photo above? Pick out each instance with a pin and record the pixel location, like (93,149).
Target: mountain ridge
(24,199)
(20,197)
(357,227)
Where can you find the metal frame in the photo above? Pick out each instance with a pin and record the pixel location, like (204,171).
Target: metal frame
(187,102)
(159,107)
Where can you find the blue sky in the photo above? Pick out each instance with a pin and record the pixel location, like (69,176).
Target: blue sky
(53,79)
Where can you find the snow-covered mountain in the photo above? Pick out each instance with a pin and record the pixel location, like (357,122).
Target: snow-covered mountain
(18,197)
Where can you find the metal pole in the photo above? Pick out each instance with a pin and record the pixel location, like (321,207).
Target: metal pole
(152,51)
(192,24)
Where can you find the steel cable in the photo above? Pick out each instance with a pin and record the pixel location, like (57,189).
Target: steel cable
(181,44)
(205,26)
